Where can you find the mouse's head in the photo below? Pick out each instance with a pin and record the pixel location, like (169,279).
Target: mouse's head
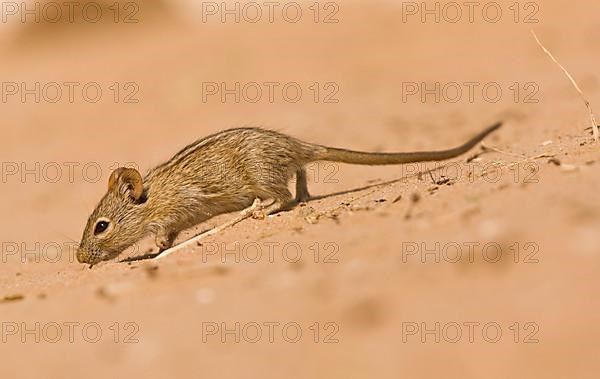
(117,222)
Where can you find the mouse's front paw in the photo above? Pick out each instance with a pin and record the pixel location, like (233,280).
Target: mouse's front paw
(164,240)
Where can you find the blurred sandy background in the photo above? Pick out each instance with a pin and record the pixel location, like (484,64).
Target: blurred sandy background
(541,208)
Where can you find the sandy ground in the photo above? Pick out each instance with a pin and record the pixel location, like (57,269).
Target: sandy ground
(485,269)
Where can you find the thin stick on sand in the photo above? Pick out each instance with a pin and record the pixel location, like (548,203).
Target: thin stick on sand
(587,103)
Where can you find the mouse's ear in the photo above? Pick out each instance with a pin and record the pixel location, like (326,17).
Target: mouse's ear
(127,181)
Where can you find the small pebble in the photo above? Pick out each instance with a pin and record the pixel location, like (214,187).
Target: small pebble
(205,296)
(569,168)
(415,197)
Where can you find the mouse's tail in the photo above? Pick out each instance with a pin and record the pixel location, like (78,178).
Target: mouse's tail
(363,158)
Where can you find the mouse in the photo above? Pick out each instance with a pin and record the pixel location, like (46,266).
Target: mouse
(221,173)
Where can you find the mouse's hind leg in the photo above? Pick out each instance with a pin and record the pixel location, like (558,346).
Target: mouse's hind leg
(276,200)
(282,197)
(302,194)
(273,190)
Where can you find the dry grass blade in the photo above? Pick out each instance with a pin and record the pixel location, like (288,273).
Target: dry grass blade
(587,103)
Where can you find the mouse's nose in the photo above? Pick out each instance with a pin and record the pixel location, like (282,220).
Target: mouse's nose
(82,256)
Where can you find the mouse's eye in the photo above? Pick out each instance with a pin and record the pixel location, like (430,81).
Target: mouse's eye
(100,227)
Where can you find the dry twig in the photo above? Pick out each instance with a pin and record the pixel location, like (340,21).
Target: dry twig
(587,103)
